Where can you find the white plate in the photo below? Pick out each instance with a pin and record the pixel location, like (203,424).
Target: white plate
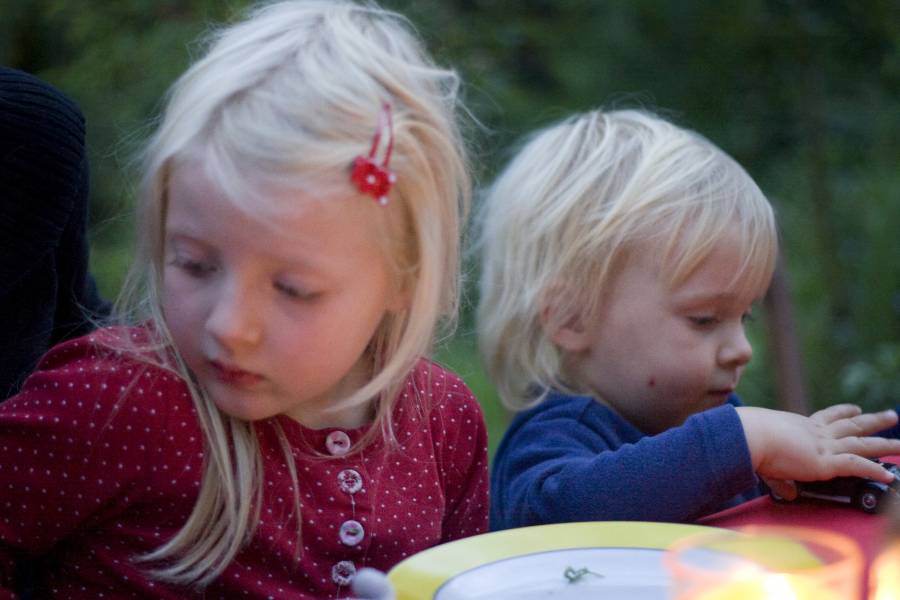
(623,561)
(609,573)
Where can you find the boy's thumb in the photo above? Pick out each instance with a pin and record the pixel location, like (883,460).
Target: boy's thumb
(783,488)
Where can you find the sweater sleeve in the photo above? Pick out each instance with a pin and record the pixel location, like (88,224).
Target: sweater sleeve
(74,445)
(464,462)
(557,468)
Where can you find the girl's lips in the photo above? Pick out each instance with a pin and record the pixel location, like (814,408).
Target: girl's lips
(235,377)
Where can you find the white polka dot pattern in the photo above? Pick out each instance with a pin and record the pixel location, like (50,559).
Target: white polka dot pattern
(100,459)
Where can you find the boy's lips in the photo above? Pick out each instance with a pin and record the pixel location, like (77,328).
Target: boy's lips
(234,376)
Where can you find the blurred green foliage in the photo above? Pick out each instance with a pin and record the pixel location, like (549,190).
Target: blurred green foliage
(803,93)
(874,380)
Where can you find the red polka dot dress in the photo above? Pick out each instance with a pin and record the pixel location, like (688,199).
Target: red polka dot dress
(101,457)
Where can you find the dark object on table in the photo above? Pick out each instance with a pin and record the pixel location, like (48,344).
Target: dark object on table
(865,494)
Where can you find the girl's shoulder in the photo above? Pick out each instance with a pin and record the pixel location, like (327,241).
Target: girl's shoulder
(453,433)
(441,398)
(440,389)
(102,374)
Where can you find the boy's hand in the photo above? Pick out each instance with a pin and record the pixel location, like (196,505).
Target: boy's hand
(831,443)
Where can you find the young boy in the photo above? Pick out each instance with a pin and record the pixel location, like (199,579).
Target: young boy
(622,257)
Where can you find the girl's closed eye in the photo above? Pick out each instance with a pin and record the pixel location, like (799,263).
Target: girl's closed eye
(193,267)
(294,292)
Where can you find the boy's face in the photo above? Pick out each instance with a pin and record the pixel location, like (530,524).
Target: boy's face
(274,320)
(658,354)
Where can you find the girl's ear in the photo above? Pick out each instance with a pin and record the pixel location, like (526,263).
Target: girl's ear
(563,321)
(401,295)
(401,300)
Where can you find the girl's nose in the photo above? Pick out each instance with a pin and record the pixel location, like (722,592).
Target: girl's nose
(234,320)
(736,349)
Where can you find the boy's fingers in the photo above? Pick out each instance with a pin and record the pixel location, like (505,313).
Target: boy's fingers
(870,446)
(854,465)
(863,424)
(833,413)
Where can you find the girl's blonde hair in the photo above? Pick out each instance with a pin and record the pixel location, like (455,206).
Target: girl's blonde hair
(565,213)
(284,101)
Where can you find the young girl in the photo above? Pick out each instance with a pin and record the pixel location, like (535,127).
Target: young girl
(622,257)
(266,427)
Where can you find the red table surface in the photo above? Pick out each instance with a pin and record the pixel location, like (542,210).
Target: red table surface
(867,530)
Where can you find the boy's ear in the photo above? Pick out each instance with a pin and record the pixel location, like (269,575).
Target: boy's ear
(563,322)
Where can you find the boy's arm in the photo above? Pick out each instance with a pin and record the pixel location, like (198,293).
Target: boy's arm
(556,468)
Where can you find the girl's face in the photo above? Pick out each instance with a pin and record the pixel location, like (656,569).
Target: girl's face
(274,320)
(658,354)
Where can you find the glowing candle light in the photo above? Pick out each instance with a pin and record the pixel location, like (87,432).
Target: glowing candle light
(770,587)
(884,582)
(766,563)
(884,576)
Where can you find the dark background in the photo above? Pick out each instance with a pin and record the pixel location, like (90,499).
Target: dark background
(803,94)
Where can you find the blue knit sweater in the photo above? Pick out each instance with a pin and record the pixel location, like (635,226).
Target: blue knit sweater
(573,459)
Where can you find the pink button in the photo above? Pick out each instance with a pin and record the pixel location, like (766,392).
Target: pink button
(350,481)
(352,532)
(338,443)
(342,573)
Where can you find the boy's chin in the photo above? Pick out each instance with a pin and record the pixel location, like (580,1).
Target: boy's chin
(713,399)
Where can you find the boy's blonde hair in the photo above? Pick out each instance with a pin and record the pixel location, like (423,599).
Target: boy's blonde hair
(564,215)
(284,101)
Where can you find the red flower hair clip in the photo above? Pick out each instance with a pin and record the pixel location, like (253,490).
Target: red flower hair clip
(371,178)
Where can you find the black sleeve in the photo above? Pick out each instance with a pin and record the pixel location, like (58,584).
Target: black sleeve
(44,184)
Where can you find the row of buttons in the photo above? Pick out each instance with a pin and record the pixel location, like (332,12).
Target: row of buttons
(349,481)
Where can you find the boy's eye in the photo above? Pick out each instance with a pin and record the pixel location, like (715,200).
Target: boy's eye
(703,320)
(747,317)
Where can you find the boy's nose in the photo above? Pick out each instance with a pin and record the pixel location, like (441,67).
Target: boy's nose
(736,348)
(234,319)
